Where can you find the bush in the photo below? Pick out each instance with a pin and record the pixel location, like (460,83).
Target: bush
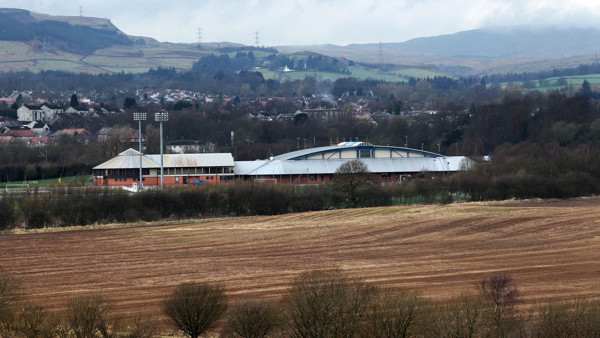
(326,304)
(7,213)
(459,317)
(9,294)
(194,307)
(394,315)
(90,315)
(33,321)
(251,320)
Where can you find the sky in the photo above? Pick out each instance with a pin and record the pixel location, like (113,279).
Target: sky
(307,22)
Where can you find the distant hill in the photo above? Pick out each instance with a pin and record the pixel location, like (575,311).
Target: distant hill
(78,35)
(508,42)
(502,49)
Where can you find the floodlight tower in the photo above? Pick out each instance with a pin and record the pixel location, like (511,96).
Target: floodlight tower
(140,116)
(161,116)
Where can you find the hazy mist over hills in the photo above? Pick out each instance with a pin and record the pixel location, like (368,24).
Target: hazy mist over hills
(27,36)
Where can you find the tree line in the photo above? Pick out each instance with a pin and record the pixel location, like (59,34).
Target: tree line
(320,303)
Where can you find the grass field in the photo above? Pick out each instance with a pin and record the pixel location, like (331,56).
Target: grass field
(64,181)
(550,248)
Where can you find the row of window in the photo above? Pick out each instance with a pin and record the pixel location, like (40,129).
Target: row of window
(172,171)
(198,170)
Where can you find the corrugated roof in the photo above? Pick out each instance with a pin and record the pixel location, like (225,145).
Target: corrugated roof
(329,166)
(129,159)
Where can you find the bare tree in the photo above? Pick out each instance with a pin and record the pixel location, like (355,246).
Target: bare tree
(394,315)
(142,327)
(194,307)
(459,317)
(502,294)
(251,320)
(89,315)
(326,304)
(349,177)
(33,322)
(9,294)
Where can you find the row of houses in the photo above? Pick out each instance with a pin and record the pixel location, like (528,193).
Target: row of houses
(50,113)
(307,166)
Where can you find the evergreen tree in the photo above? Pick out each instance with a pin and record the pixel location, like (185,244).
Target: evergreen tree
(74,101)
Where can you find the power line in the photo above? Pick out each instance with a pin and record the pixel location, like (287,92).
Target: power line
(256,41)
(199,34)
(80,10)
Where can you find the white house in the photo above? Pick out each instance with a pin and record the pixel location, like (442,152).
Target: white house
(45,113)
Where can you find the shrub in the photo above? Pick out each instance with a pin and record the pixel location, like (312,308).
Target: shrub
(33,322)
(459,317)
(326,304)
(194,307)
(7,213)
(90,315)
(9,294)
(251,320)
(394,315)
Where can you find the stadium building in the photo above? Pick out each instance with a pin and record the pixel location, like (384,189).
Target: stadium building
(179,169)
(307,166)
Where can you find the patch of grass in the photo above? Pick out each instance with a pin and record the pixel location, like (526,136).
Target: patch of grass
(64,182)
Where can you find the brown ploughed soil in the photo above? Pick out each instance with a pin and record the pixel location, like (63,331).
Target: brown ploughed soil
(550,248)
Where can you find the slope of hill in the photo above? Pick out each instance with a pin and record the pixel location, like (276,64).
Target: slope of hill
(550,248)
(84,36)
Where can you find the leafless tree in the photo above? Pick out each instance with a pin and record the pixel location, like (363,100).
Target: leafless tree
(33,322)
(461,317)
(9,294)
(194,307)
(252,319)
(503,296)
(142,327)
(394,315)
(89,315)
(326,304)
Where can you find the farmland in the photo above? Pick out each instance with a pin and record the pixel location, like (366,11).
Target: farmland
(551,248)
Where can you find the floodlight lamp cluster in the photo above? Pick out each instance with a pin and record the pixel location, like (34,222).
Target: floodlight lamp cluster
(139,116)
(161,116)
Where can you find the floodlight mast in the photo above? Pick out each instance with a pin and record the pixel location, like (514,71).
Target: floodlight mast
(140,116)
(161,116)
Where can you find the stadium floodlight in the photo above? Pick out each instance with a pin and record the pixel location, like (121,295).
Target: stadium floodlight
(161,116)
(140,116)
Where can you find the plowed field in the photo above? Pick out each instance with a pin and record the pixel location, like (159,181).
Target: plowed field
(551,248)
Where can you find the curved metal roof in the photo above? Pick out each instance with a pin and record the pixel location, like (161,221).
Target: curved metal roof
(306,153)
(329,166)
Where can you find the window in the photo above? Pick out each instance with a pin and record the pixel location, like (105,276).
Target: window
(364,153)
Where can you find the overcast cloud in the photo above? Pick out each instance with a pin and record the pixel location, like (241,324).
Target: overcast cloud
(302,22)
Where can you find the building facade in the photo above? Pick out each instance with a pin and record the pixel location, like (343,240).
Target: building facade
(386,164)
(179,169)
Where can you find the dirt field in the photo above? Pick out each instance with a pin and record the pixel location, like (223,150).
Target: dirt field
(551,248)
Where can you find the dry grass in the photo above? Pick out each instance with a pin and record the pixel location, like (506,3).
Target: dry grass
(551,248)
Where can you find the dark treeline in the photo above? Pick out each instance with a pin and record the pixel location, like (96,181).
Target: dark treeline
(221,65)
(99,206)
(319,303)
(588,69)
